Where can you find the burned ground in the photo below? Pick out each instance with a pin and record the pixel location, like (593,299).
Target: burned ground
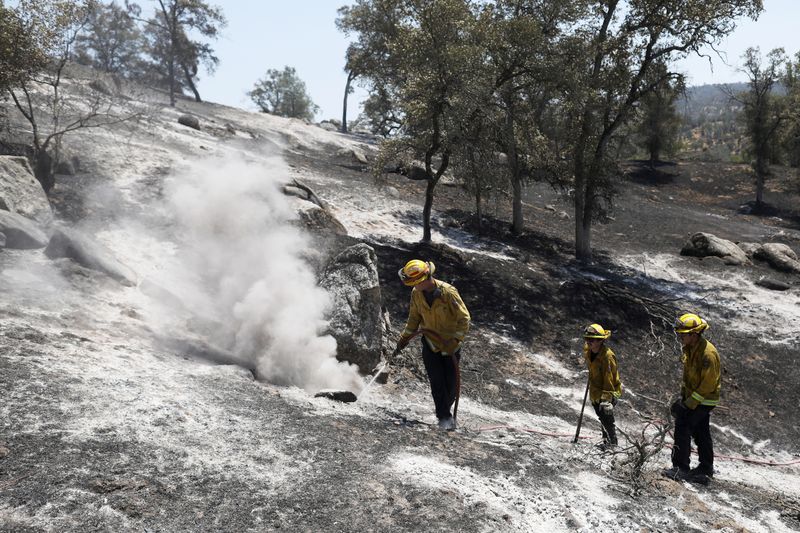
(544,297)
(108,430)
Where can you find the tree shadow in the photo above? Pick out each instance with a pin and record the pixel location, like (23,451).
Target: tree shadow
(661,173)
(790,217)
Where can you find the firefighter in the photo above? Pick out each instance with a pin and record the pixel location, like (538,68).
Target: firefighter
(699,395)
(436,307)
(604,384)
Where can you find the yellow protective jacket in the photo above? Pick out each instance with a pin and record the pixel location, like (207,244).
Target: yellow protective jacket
(604,383)
(448,316)
(701,375)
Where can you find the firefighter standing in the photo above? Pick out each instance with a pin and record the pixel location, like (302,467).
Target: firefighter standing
(436,307)
(604,384)
(699,395)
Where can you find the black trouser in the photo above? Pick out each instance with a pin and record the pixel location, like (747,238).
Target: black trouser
(693,424)
(607,423)
(442,375)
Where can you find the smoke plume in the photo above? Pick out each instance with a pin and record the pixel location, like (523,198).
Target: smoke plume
(244,260)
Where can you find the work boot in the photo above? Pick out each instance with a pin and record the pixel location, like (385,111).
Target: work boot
(447,424)
(702,471)
(700,476)
(678,474)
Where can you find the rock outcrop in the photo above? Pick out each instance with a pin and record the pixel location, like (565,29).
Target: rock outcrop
(20,232)
(706,244)
(357,322)
(773,284)
(21,192)
(318,220)
(89,254)
(779,256)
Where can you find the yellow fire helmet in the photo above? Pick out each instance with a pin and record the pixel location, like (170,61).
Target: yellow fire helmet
(415,272)
(690,323)
(596,331)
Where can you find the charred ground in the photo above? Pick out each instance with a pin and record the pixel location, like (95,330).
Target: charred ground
(544,297)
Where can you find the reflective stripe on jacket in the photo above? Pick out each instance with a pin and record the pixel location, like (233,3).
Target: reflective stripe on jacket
(604,383)
(447,316)
(701,375)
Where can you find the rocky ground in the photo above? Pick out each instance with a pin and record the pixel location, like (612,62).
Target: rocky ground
(105,429)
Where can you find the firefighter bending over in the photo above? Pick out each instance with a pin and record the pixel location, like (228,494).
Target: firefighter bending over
(436,307)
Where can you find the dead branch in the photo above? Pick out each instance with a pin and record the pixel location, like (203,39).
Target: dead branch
(643,445)
(310,195)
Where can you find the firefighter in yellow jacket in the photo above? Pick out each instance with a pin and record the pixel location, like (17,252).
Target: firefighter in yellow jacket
(699,395)
(437,307)
(604,384)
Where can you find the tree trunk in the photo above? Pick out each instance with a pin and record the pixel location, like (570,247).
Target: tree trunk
(426,210)
(44,170)
(171,74)
(188,75)
(761,172)
(347,89)
(583,250)
(517,220)
(654,155)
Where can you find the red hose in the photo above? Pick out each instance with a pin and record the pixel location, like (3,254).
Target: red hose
(716,456)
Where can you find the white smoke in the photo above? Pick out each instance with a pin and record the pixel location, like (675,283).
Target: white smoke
(245,262)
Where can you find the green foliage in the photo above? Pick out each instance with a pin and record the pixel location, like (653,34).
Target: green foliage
(176,57)
(614,59)
(20,53)
(659,121)
(111,42)
(763,112)
(790,134)
(284,94)
(428,61)
(710,126)
(551,85)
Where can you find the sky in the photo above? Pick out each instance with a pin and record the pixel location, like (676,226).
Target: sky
(271,34)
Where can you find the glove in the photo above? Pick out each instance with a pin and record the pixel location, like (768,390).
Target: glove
(606,408)
(450,346)
(677,409)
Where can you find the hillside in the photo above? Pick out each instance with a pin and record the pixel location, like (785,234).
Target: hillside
(106,427)
(711,129)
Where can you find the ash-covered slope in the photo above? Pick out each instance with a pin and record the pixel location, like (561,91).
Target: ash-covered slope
(106,428)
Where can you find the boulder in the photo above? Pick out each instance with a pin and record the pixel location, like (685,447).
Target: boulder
(706,244)
(21,232)
(21,192)
(189,121)
(356,321)
(339,395)
(2,240)
(773,284)
(89,254)
(319,220)
(749,248)
(329,126)
(779,256)
(356,154)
